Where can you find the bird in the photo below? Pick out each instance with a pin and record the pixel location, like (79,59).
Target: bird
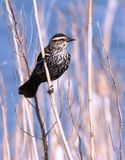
(57,58)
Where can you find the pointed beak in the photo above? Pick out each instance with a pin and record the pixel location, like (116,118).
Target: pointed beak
(70,39)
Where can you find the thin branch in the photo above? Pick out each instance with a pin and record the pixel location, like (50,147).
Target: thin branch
(51,128)
(31,103)
(74,122)
(80,148)
(75,127)
(52,99)
(45,144)
(21,128)
(19,48)
(116,95)
(113,146)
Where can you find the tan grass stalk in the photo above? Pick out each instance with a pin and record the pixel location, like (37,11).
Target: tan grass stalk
(52,99)
(6,149)
(92,148)
(116,96)
(16,42)
(108,22)
(18,137)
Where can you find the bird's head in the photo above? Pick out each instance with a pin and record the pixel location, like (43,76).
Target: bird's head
(60,41)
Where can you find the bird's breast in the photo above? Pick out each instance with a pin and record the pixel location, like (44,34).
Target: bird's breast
(58,64)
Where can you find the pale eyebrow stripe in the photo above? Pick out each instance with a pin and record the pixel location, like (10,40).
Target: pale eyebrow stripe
(58,38)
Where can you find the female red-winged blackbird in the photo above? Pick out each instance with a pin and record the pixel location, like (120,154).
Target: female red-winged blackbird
(57,59)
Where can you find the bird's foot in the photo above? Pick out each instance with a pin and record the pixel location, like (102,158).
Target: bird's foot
(50,90)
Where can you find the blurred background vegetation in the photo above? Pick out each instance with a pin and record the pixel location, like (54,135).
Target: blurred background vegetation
(71,18)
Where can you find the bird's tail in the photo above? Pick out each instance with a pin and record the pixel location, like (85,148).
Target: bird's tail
(29,88)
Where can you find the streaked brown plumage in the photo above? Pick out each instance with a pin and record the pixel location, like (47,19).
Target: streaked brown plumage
(58,60)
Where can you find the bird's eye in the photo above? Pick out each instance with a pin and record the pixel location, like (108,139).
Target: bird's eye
(62,40)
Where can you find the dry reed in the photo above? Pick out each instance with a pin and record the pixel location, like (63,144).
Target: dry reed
(105,130)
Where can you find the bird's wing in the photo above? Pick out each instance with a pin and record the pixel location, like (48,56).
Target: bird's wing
(39,58)
(39,69)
